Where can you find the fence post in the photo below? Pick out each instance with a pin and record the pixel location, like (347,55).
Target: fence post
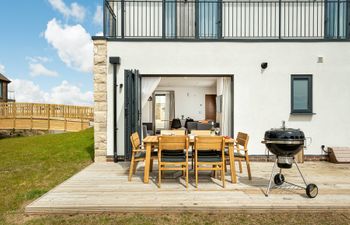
(48,117)
(31,116)
(14,109)
(81,119)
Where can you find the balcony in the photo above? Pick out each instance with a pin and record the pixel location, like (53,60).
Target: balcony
(227,20)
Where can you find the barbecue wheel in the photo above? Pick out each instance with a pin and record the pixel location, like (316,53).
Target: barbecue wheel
(311,190)
(278,179)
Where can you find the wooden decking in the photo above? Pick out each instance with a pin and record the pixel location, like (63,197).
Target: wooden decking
(103,187)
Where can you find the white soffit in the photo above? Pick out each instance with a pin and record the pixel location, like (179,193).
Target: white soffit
(187,81)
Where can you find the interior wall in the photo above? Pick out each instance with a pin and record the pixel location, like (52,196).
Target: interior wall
(190,101)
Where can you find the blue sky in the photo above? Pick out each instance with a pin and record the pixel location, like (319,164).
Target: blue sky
(46,50)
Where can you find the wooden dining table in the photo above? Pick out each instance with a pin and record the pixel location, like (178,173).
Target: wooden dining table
(150,141)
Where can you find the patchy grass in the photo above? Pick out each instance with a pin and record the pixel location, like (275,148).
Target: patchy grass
(197,219)
(30,166)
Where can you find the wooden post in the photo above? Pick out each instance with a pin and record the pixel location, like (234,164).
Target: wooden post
(31,117)
(48,117)
(14,115)
(81,119)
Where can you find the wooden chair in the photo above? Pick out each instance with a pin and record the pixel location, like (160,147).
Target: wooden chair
(201,132)
(210,150)
(241,151)
(173,152)
(198,133)
(138,154)
(172,132)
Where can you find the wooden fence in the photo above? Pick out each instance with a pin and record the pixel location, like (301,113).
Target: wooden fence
(45,117)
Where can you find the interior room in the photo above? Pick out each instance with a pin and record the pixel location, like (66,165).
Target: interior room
(186,103)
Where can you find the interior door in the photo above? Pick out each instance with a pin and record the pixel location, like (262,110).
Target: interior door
(132,104)
(210,107)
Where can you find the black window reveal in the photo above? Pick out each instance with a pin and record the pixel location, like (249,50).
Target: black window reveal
(301,94)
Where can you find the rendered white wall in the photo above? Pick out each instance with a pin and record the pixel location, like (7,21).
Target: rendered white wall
(262,98)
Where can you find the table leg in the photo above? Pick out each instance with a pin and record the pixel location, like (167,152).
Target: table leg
(232,164)
(147,163)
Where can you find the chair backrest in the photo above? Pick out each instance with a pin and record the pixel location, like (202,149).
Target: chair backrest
(135,141)
(172,143)
(172,132)
(201,132)
(192,125)
(242,140)
(175,124)
(204,126)
(209,143)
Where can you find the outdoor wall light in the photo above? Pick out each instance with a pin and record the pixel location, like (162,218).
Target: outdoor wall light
(264,65)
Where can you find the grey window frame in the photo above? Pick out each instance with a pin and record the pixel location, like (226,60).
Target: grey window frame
(309,109)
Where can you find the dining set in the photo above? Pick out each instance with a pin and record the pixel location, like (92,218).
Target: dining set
(175,151)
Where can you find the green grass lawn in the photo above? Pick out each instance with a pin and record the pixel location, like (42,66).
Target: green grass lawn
(31,166)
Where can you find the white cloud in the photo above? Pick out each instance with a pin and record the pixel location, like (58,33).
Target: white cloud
(37,59)
(74,10)
(2,68)
(38,69)
(70,94)
(27,91)
(65,93)
(99,33)
(73,44)
(98,16)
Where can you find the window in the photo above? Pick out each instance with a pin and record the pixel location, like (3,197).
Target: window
(336,19)
(1,89)
(301,94)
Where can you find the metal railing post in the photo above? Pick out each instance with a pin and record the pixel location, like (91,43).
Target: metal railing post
(279,18)
(104,18)
(163,19)
(196,16)
(338,19)
(219,22)
(122,18)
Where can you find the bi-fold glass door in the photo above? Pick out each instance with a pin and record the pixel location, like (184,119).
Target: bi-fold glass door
(132,107)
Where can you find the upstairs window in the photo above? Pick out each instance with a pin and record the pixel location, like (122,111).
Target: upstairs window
(301,95)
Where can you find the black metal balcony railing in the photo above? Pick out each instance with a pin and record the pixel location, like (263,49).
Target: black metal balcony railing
(221,19)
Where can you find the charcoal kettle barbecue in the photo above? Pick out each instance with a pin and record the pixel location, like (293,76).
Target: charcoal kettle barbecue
(285,143)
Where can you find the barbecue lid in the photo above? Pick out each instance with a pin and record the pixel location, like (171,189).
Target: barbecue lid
(284,134)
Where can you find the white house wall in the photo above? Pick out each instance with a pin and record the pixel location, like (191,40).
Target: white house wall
(261,98)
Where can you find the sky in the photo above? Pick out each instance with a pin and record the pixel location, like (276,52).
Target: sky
(46,49)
